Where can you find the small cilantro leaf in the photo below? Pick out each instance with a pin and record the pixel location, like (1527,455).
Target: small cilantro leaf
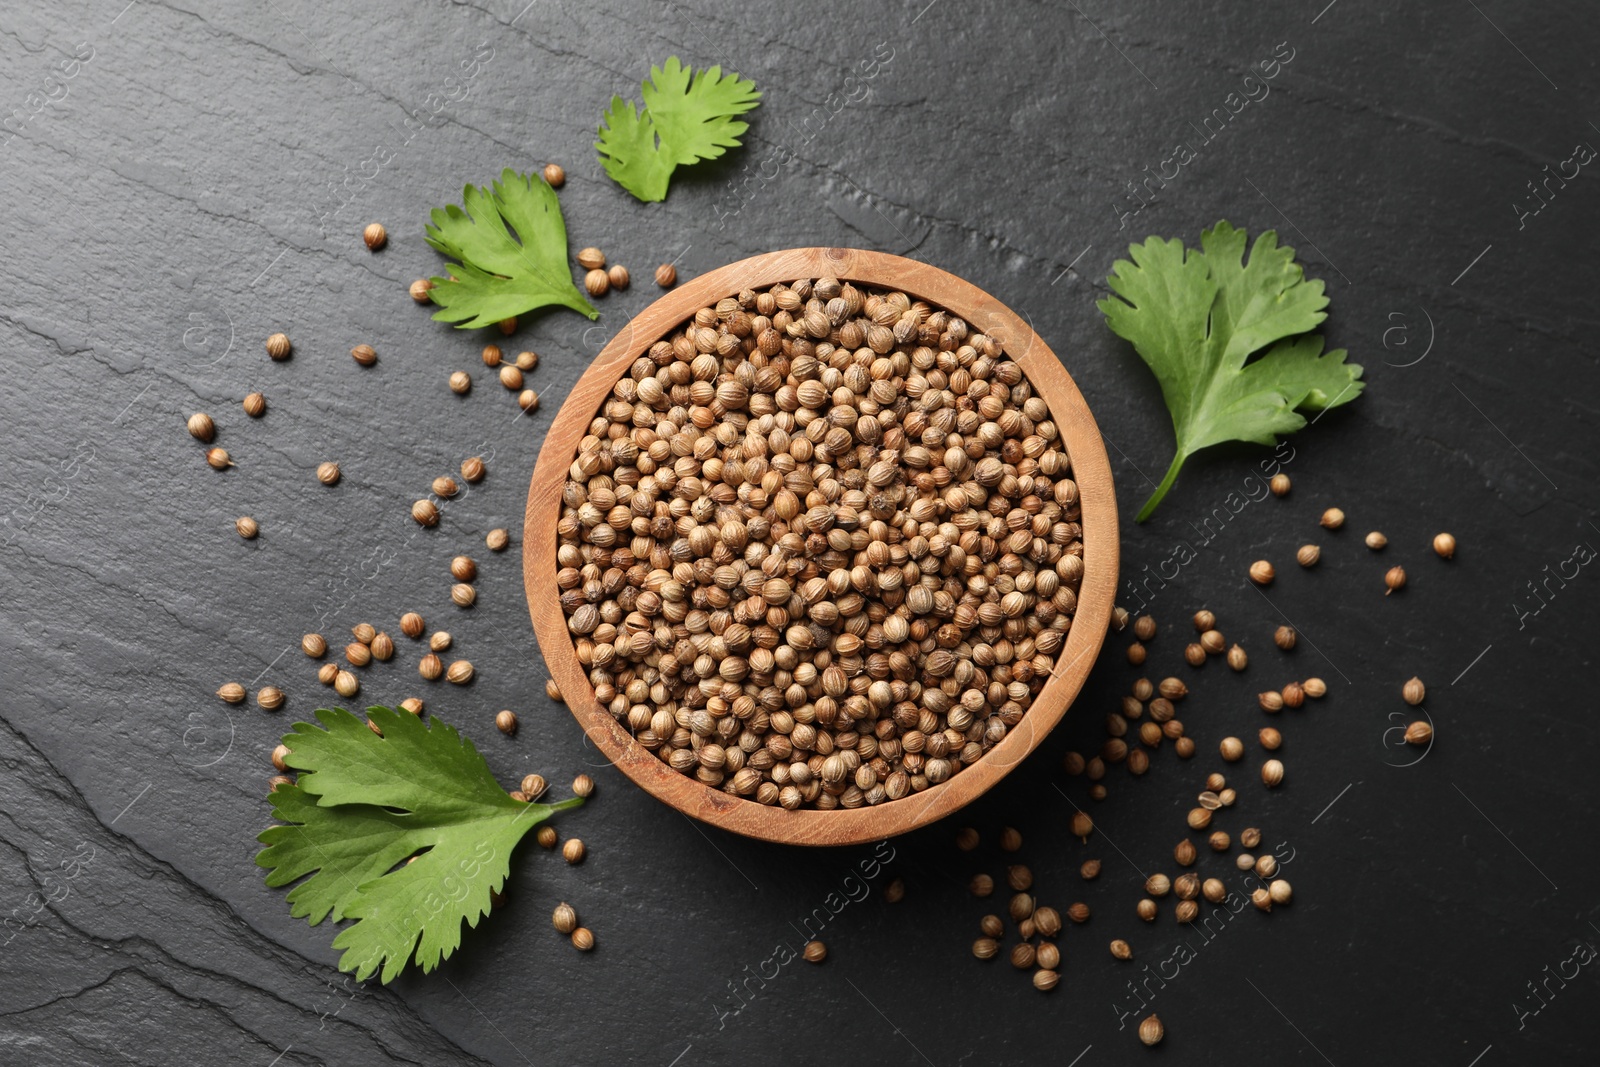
(1197,316)
(364,803)
(510,247)
(687,117)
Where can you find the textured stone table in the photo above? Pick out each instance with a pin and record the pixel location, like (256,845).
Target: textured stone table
(178,181)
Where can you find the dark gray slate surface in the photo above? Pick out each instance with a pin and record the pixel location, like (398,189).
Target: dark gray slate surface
(200,180)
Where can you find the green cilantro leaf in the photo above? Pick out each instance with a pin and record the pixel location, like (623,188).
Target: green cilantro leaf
(510,247)
(420,796)
(1197,316)
(686,117)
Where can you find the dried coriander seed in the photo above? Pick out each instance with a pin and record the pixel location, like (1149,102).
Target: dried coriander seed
(527,361)
(411,624)
(553,691)
(1272,773)
(1281,892)
(1046,979)
(1270,739)
(344,683)
(597,282)
(1048,956)
(1022,955)
(440,641)
(1279,484)
(1394,579)
(1375,540)
(1419,733)
(460,383)
(1021,906)
(1285,637)
(357,654)
(413,705)
(1010,839)
(463,594)
(364,632)
(279,755)
(528,400)
(1184,747)
(1270,701)
(425,512)
(546,836)
(1231,749)
(328,473)
(583,785)
(1444,546)
(1144,628)
(365,355)
(1250,837)
(1151,1031)
(201,428)
(460,672)
(463,569)
(564,918)
(591,258)
(510,377)
(1219,841)
(328,673)
(666,275)
(472,469)
(1184,853)
(1214,890)
(1213,642)
(1082,827)
(1195,654)
(375,236)
(314,645)
(815,951)
(573,850)
(255,405)
(618,276)
(231,693)
(1262,572)
(270,697)
(1158,885)
(1136,654)
(420,290)
(1089,870)
(1308,555)
(382,648)
(246,527)
(555,176)
(1121,950)
(497,540)
(1262,899)
(430,667)
(1332,519)
(895,891)
(491,355)
(1414,692)
(981,885)
(1237,658)
(1198,818)
(582,938)
(985,948)
(1147,910)
(1315,688)
(278,347)
(218,459)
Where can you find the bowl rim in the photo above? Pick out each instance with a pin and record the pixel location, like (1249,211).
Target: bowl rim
(1091,469)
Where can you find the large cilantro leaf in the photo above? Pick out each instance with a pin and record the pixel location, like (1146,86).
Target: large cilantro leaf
(1197,316)
(687,117)
(510,247)
(420,795)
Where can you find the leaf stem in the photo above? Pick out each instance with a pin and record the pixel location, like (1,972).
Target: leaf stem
(1161,490)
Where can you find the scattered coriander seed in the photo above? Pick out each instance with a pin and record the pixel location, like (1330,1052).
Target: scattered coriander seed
(1444,546)
(1308,555)
(1198,818)
(1158,885)
(582,937)
(1136,654)
(1261,572)
(1151,1031)
(1266,866)
(1250,837)
(491,355)
(1270,739)
(246,527)
(1144,627)
(1376,540)
(1187,911)
(508,326)
(1173,688)
(1228,797)
(497,539)
(345,683)
(597,282)
(1183,853)
(201,428)
(1272,773)
(1204,620)
(1262,899)
(1022,955)
(1285,637)
(1209,800)
(1073,763)
(463,594)
(1143,689)
(1048,956)
(328,473)
(618,276)
(1184,747)
(1138,761)
(255,405)
(270,697)
(1271,701)
(666,275)
(1395,578)
(413,705)
(815,951)
(1332,519)
(1315,688)
(472,469)
(463,569)
(528,400)
(365,355)
(1419,733)
(1018,877)
(364,632)
(440,641)
(1089,870)
(1238,659)
(460,383)
(430,667)
(425,512)
(328,673)
(1082,826)
(382,648)
(1232,749)
(420,290)
(411,624)
(460,672)
(375,236)
(555,176)
(1219,841)
(511,377)
(895,891)
(591,258)
(546,836)
(553,691)
(527,361)
(1119,618)
(1047,921)
(564,918)
(1414,692)
(985,948)
(1021,906)
(357,654)
(992,926)
(218,459)
(278,756)
(1214,890)
(1078,912)
(277,782)
(981,885)
(1213,642)
(278,346)
(314,645)
(231,693)
(1281,892)
(1010,839)
(1046,978)
(1279,484)
(1244,861)
(1194,654)
(505,721)
(1147,910)
(583,785)
(572,850)
(534,785)
(1121,950)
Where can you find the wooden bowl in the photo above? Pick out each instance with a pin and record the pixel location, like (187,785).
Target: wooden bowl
(1090,467)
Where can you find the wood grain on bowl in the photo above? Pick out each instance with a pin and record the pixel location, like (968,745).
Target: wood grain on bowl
(1091,470)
